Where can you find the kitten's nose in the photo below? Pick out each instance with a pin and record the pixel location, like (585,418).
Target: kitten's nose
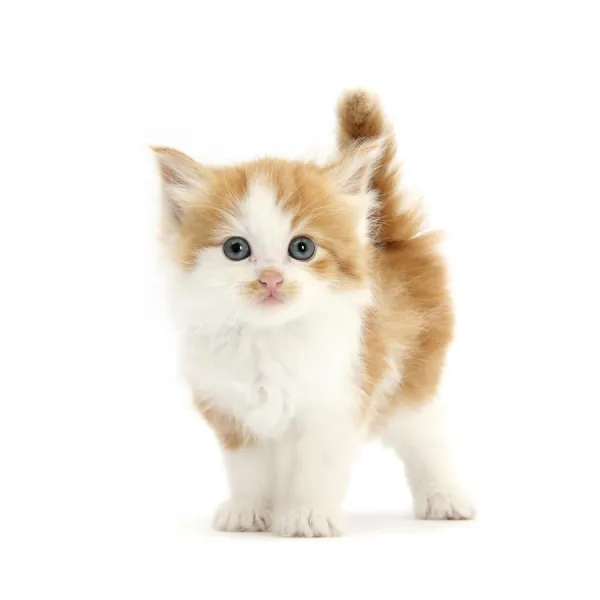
(271,279)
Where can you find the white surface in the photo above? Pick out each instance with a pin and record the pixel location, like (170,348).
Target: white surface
(108,477)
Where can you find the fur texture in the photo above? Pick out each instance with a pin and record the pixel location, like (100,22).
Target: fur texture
(351,343)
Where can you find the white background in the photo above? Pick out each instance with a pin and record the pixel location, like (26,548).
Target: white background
(108,476)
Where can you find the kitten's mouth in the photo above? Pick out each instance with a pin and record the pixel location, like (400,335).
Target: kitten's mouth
(272,299)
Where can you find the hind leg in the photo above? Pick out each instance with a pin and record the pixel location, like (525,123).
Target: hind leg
(417,434)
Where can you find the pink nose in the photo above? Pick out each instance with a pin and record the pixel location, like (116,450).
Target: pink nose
(271,279)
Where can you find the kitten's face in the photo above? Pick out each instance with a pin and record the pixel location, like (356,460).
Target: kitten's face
(265,243)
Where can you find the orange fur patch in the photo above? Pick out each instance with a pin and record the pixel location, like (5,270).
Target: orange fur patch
(230,433)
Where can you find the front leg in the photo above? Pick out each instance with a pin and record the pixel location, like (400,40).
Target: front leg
(249,471)
(313,465)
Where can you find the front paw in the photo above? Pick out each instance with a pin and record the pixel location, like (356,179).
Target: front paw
(308,523)
(443,504)
(237,517)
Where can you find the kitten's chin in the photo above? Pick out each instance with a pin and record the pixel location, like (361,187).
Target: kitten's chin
(273,312)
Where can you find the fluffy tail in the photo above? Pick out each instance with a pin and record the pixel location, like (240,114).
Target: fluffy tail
(360,117)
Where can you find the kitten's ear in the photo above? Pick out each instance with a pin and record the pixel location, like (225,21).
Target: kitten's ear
(182,179)
(353,170)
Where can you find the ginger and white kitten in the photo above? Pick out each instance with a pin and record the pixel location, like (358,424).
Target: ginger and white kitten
(313,313)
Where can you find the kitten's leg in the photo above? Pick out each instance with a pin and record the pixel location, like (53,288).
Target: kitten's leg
(249,472)
(417,434)
(313,471)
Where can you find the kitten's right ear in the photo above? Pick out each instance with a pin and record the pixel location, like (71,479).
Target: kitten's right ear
(182,179)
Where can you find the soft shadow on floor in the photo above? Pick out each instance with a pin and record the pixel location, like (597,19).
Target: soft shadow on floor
(356,523)
(396,523)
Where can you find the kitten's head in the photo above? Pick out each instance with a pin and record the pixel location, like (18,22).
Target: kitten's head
(265,243)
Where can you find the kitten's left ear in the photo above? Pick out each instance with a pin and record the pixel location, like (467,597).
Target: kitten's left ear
(353,170)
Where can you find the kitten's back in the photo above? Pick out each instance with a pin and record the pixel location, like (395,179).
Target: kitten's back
(413,321)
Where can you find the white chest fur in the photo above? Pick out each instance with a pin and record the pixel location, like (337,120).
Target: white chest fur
(269,377)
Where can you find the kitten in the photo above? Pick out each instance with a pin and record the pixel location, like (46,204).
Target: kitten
(313,314)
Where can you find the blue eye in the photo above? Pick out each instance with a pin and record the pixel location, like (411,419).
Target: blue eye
(236,248)
(301,248)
